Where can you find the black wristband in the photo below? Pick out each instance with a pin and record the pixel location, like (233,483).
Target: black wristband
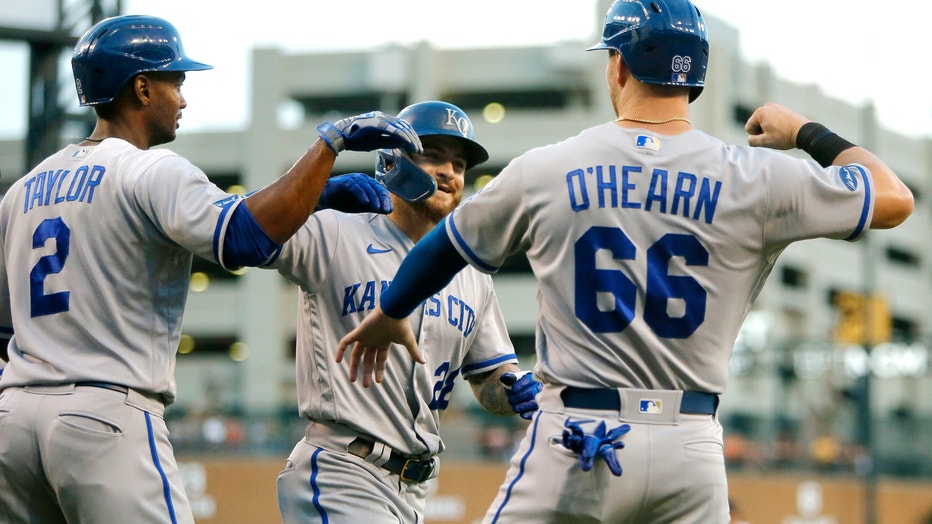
(822,145)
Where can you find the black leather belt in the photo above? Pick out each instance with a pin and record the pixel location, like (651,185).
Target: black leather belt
(104,385)
(409,469)
(694,402)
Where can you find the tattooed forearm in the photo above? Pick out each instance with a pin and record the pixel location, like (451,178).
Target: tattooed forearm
(490,392)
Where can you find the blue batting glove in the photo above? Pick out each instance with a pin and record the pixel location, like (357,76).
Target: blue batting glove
(522,390)
(355,193)
(370,131)
(599,443)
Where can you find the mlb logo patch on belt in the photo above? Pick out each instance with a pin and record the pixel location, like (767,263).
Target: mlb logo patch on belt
(650,406)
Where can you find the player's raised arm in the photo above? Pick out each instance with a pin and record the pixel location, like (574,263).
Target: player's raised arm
(779,127)
(283,206)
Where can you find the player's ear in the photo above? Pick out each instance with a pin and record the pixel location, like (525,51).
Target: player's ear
(622,71)
(142,87)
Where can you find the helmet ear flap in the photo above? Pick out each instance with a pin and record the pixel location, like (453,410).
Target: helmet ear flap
(403,177)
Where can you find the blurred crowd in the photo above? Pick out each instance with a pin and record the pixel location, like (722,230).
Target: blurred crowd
(471,434)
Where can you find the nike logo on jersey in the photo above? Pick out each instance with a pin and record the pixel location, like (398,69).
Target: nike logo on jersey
(372,250)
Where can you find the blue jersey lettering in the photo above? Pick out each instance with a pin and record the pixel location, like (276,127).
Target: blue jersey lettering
(349,299)
(39,189)
(686,194)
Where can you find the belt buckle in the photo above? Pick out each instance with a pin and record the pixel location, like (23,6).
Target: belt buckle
(416,471)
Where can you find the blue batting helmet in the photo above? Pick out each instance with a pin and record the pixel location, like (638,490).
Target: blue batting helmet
(404,177)
(116,49)
(661,41)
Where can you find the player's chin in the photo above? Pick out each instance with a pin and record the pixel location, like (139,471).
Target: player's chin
(163,137)
(444,202)
(435,209)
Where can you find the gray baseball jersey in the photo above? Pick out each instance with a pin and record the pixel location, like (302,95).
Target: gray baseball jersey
(106,283)
(96,246)
(341,263)
(648,251)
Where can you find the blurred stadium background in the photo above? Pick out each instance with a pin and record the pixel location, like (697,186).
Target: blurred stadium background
(827,413)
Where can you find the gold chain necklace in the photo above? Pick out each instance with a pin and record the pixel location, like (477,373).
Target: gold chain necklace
(646,121)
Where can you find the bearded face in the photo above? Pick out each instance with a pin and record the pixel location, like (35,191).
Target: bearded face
(444,158)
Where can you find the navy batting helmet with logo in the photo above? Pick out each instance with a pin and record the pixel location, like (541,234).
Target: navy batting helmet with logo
(400,174)
(661,41)
(116,49)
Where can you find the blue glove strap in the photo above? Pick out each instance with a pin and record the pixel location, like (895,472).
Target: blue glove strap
(331,136)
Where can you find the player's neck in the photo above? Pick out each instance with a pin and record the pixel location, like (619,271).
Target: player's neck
(414,224)
(108,129)
(643,108)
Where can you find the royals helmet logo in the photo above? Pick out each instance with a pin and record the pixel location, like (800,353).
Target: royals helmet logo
(461,123)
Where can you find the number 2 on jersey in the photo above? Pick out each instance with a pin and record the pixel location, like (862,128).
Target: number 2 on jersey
(40,302)
(661,285)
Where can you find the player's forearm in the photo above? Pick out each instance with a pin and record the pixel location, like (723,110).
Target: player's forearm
(283,206)
(893,201)
(490,393)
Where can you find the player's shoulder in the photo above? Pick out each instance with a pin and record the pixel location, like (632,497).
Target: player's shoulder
(333,223)
(130,161)
(479,281)
(166,157)
(350,220)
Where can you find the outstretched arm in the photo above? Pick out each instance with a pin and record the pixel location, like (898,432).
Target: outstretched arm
(779,127)
(284,205)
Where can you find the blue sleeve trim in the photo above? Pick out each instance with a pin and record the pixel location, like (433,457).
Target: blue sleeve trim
(223,213)
(868,198)
(469,252)
(245,242)
(428,268)
(493,363)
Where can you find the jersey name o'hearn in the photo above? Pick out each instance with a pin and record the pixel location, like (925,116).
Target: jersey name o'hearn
(45,188)
(681,193)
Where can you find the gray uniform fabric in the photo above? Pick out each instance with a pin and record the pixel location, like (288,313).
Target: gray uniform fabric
(648,251)
(97,246)
(341,263)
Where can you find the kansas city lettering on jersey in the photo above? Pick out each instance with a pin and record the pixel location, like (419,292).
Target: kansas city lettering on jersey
(62,185)
(362,297)
(459,314)
(681,193)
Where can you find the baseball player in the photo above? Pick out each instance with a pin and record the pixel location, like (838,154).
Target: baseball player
(367,453)
(649,240)
(96,246)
